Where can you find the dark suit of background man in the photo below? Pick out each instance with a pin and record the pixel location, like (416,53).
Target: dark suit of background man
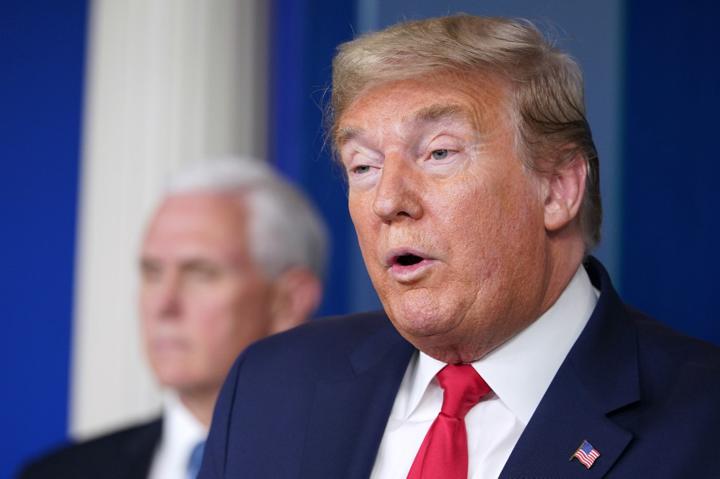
(473,188)
(232,254)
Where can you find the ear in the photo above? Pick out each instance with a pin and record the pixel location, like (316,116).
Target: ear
(296,295)
(564,193)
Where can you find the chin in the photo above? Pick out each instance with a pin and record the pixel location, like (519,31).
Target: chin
(438,340)
(174,376)
(174,380)
(421,318)
(440,326)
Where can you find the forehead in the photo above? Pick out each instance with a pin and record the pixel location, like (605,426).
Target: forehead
(199,221)
(477,99)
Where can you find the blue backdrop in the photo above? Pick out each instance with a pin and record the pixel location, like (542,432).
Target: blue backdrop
(302,44)
(671,165)
(42,53)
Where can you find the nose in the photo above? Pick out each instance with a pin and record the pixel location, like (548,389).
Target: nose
(165,297)
(398,194)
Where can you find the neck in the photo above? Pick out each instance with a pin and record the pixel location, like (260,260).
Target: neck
(566,255)
(200,405)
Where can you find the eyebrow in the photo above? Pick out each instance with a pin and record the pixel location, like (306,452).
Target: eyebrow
(428,114)
(440,112)
(345,134)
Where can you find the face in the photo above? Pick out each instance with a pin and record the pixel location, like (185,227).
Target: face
(449,221)
(202,299)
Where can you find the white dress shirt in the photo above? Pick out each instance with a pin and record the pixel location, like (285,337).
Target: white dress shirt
(181,433)
(518,372)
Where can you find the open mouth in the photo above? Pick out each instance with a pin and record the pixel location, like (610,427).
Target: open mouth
(408,259)
(408,265)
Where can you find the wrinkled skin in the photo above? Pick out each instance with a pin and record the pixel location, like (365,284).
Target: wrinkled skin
(433,171)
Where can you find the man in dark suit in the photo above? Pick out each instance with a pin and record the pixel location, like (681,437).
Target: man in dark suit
(231,254)
(503,349)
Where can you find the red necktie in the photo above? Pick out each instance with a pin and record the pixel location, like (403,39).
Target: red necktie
(444,451)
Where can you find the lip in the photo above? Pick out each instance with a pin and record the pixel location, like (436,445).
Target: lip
(168,345)
(408,273)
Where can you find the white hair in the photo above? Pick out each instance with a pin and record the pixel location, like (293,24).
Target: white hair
(284,229)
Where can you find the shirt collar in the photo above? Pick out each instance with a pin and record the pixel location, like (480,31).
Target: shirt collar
(420,372)
(181,429)
(520,370)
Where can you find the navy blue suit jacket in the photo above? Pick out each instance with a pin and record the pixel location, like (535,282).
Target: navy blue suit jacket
(313,402)
(123,454)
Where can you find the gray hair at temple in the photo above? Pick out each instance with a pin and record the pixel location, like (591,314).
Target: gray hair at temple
(546,86)
(285,230)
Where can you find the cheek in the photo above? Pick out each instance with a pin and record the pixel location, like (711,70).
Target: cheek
(358,205)
(150,300)
(363,218)
(466,213)
(212,314)
(244,314)
(493,219)
(149,306)
(524,213)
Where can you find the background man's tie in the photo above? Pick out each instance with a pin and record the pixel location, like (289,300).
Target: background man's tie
(195,460)
(444,451)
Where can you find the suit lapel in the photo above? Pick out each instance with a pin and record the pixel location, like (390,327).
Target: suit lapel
(137,451)
(566,416)
(349,413)
(141,450)
(598,377)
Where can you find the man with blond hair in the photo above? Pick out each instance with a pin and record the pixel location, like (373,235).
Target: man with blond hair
(503,349)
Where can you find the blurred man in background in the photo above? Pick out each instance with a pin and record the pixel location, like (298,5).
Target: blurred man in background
(232,254)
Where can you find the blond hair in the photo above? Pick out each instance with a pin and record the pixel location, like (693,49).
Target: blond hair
(546,85)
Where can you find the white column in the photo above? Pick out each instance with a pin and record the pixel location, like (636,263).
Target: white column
(169,83)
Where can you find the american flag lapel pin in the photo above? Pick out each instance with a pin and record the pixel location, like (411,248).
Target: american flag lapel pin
(586,454)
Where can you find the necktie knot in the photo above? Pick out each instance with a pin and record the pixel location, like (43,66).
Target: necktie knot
(444,451)
(463,388)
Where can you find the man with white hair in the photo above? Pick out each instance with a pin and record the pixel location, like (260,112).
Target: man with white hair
(503,349)
(231,254)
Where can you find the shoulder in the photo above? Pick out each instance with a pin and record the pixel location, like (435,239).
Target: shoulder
(336,329)
(320,343)
(677,413)
(134,444)
(322,349)
(287,385)
(659,347)
(666,353)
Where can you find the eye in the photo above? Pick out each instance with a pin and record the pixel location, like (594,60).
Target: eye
(360,169)
(150,272)
(203,273)
(441,154)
